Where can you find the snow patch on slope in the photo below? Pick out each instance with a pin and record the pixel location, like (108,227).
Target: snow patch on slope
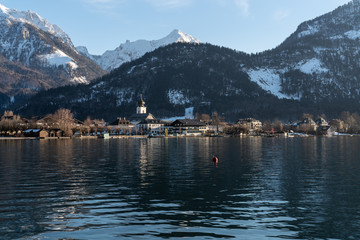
(310,66)
(189,114)
(177,97)
(80,80)
(310,31)
(269,80)
(124,95)
(59,58)
(353,34)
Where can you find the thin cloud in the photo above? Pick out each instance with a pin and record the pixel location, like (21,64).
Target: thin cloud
(170,3)
(243,5)
(280,15)
(100,5)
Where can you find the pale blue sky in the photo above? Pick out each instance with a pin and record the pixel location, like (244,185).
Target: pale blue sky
(244,25)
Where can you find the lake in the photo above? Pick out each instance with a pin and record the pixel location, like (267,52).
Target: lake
(262,188)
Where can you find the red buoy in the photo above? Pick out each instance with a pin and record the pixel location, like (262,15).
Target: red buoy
(215,159)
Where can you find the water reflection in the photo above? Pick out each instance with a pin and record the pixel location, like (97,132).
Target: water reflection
(296,188)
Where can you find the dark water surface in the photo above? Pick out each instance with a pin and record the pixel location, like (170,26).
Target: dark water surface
(262,188)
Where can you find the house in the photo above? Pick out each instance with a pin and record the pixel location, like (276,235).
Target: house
(251,123)
(121,126)
(8,115)
(321,122)
(306,125)
(325,130)
(47,122)
(56,133)
(152,126)
(189,127)
(216,128)
(39,133)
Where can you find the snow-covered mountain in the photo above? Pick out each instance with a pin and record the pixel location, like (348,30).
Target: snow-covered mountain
(33,44)
(12,15)
(130,51)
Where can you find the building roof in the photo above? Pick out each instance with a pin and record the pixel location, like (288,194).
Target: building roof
(247,120)
(140,117)
(120,121)
(32,130)
(188,122)
(321,121)
(152,121)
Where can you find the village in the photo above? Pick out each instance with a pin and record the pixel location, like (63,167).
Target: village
(62,125)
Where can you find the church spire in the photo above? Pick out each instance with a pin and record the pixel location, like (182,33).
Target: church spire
(141,102)
(141,108)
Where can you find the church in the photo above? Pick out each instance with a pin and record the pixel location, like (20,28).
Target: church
(141,113)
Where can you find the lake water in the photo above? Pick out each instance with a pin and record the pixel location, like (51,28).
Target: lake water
(262,188)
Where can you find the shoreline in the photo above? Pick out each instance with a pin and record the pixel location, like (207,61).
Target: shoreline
(145,136)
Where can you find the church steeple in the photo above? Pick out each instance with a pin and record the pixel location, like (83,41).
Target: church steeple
(141,108)
(141,102)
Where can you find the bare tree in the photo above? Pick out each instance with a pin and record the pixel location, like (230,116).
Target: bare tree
(267,125)
(216,120)
(278,126)
(65,119)
(205,117)
(307,115)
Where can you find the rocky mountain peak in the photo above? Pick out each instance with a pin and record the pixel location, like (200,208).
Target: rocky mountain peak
(130,51)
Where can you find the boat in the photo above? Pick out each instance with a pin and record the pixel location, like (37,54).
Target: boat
(104,135)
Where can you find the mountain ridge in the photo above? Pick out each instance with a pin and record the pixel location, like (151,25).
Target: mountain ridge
(130,51)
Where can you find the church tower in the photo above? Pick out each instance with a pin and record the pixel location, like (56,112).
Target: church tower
(141,109)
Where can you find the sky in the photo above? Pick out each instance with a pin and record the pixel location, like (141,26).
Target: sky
(245,25)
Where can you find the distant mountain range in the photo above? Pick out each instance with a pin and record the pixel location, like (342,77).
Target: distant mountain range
(130,51)
(315,70)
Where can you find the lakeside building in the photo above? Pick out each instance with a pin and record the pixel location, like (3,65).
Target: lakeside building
(121,126)
(251,123)
(38,133)
(152,126)
(217,128)
(306,125)
(321,122)
(189,127)
(8,115)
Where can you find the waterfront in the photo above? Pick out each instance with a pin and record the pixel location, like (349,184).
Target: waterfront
(262,188)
